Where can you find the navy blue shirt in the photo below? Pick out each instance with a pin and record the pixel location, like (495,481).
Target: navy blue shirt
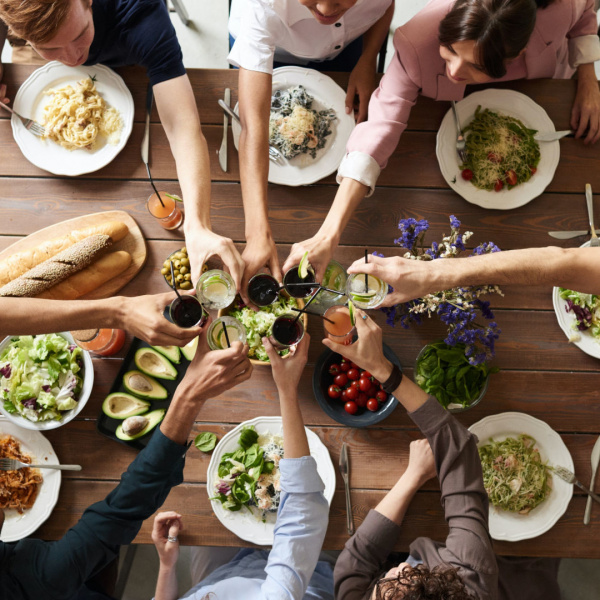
(136,32)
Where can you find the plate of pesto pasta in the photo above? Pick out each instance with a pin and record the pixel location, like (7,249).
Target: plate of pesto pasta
(505,167)
(516,452)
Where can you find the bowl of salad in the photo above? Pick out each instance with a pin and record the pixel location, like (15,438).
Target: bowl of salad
(45,380)
(259,324)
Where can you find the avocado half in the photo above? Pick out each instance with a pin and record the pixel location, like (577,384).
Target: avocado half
(189,350)
(143,385)
(153,363)
(154,418)
(121,405)
(173,353)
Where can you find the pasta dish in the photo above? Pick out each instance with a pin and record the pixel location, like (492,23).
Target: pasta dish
(18,489)
(294,127)
(76,116)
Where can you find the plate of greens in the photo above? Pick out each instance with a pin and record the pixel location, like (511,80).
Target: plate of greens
(499,126)
(526,500)
(242,479)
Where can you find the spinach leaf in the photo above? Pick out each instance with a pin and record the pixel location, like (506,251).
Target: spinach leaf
(205,441)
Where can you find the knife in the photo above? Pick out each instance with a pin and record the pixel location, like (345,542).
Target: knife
(567,235)
(345,471)
(146,138)
(223,148)
(595,462)
(552,136)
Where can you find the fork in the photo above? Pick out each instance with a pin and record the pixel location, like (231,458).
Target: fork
(12,464)
(594,241)
(569,477)
(274,154)
(30,124)
(460,138)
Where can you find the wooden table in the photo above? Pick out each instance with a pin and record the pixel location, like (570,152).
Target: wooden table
(541,374)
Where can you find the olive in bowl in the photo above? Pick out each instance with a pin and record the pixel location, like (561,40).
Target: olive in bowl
(181,270)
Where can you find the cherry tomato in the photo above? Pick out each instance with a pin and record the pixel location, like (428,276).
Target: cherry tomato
(375,382)
(334,369)
(372,393)
(372,404)
(381,396)
(533,170)
(334,391)
(354,365)
(344,396)
(498,185)
(341,379)
(511,177)
(351,407)
(353,374)
(467,174)
(351,393)
(365,384)
(355,384)
(494,158)
(362,400)
(366,375)
(345,367)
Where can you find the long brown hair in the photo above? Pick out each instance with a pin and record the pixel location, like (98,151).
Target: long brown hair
(499,28)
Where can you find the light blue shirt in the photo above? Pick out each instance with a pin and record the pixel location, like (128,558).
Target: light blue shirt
(290,570)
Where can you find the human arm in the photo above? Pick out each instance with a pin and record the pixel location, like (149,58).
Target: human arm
(167,525)
(362,77)
(178,113)
(572,268)
(255,108)
(3,35)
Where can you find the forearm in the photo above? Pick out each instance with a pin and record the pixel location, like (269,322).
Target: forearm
(586,74)
(166,584)
(374,37)
(294,435)
(182,413)
(395,503)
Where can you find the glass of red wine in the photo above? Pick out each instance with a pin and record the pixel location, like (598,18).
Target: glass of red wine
(263,289)
(288,330)
(299,287)
(186,311)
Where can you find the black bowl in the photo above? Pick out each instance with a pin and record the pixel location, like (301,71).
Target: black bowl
(335,407)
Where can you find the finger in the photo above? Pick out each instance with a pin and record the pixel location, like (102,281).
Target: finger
(349,102)
(583,123)
(245,374)
(346,351)
(174,529)
(593,129)
(236,266)
(575,112)
(375,263)
(294,258)
(320,271)
(270,350)
(167,515)
(363,108)
(302,348)
(274,267)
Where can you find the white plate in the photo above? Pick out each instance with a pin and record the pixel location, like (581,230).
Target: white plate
(587,342)
(18,526)
(512,104)
(47,154)
(512,527)
(245,524)
(303,169)
(88,384)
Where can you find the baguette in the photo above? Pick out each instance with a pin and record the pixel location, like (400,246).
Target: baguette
(57,268)
(91,278)
(19,263)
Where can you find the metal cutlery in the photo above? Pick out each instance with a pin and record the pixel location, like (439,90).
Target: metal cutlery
(595,462)
(460,138)
(345,471)
(222,152)
(552,136)
(569,477)
(594,241)
(567,235)
(30,124)
(12,464)
(274,154)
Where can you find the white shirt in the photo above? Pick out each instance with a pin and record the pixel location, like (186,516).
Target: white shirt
(286,31)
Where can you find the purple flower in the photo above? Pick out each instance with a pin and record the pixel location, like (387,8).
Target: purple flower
(454,222)
(411,229)
(6,371)
(485,248)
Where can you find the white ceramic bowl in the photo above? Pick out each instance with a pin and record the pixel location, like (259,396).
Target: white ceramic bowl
(88,384)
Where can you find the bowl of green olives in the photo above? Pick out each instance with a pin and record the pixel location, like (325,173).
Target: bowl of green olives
(181,269)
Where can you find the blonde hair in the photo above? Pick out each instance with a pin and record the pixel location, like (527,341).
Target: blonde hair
(36,21)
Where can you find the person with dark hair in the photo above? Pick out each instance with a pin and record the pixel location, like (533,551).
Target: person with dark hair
(448,45)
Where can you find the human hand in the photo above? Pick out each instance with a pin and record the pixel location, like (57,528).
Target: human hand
(421,464)
(167,525)
(410,278)
(259,252)
(585,113)
(287,372)
(362,82)
(3,96)
(202,243)
(367,351)
(1,519)
(143,317)
(319,251)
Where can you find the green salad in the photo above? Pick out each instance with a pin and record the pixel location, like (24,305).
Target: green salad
(41,376)
(586,308)
(514,476)
(260,324)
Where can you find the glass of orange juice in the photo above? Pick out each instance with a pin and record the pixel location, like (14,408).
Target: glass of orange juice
(170,216)
(339,327)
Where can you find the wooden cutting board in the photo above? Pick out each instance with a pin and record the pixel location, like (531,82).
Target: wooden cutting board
(133,243)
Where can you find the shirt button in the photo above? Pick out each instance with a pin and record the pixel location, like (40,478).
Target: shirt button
(338,24)
(337,47)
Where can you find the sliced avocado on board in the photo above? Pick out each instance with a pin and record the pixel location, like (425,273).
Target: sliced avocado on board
(154,418)
(173,353)
(189,350)
(144,386)
(121,405)
(155,364)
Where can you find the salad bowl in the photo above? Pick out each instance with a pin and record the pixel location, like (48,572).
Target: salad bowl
(69,415)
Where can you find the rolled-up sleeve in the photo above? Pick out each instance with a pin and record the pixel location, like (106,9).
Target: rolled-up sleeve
(389,109)
(299,531)
(584,45)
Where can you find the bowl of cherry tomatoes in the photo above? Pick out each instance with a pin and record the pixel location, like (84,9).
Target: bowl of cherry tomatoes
(350,395)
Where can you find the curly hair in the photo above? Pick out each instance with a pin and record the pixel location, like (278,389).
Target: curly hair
(36,21)
(422,583)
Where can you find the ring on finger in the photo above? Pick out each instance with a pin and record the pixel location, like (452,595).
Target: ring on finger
(172,538)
